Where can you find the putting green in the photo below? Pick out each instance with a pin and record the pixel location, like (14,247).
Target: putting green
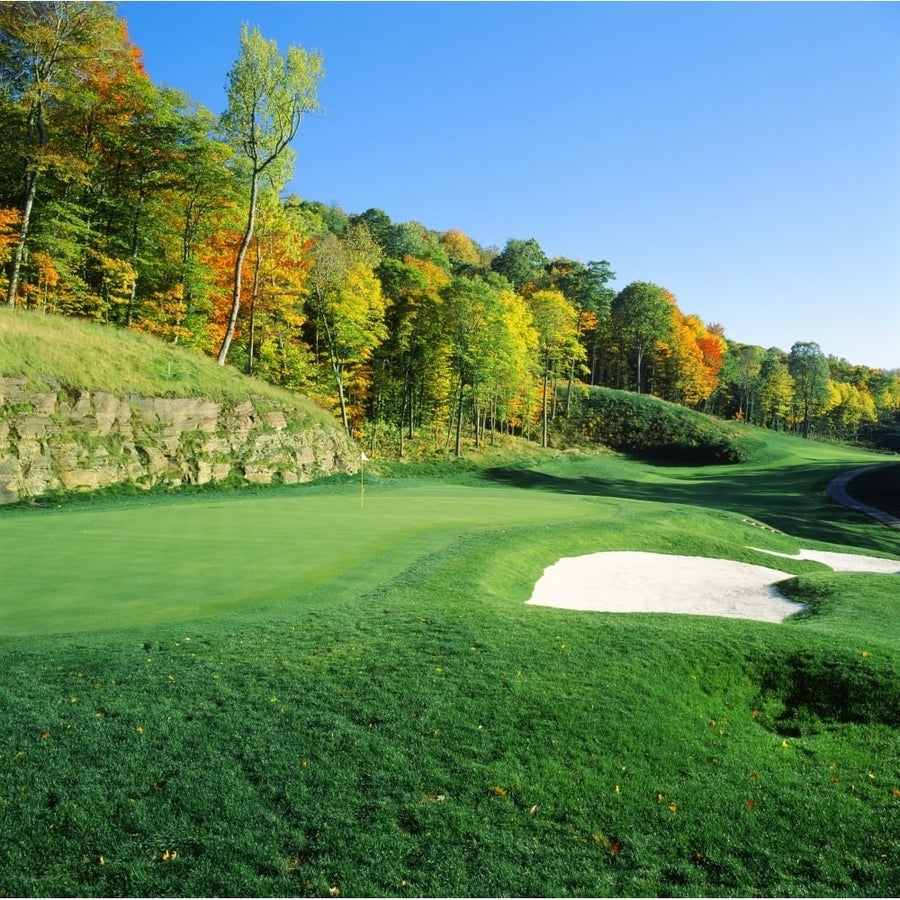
(84,570)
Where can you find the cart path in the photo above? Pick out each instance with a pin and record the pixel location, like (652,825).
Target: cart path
(837,490)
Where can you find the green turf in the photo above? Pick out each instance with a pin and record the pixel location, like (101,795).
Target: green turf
(281,693)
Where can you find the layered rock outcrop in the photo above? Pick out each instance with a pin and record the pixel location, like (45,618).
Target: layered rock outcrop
(66,439)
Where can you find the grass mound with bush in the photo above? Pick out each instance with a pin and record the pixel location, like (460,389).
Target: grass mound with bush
(649,428)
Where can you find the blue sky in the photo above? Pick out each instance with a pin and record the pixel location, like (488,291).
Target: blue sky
(744,155)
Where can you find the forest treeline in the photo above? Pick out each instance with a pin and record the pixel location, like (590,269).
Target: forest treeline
(130,204)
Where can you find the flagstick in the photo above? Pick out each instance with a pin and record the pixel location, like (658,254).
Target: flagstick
(363,459)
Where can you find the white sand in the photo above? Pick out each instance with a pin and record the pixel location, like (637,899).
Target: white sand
(627,581)
(843,562)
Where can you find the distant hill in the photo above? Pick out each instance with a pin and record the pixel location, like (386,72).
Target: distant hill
(83,406)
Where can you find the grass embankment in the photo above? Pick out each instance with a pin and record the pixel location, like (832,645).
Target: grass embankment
(49,351)
(286,694)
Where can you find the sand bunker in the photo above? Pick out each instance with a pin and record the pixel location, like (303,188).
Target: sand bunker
(843,562)
(633,581)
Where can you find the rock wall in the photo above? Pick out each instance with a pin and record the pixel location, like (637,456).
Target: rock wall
(64,439)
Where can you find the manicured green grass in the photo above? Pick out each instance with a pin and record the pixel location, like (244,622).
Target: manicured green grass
(282,693)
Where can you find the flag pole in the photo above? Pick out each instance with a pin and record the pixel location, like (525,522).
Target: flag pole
(363,459)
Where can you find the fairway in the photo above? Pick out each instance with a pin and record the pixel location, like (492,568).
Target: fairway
(190,558)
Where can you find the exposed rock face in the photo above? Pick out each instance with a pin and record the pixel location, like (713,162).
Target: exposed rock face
(68,439)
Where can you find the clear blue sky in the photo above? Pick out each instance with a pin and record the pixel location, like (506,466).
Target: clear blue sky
(744,155)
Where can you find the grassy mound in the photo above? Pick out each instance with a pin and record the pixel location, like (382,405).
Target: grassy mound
(650,428)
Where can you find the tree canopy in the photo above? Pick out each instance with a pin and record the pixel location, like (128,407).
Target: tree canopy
(132,205)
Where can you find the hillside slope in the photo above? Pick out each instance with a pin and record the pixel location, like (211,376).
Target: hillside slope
(83,406)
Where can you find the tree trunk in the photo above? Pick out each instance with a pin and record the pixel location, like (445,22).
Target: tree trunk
(544,404)
(238,272)
(253,296)
(30,192)
(459,415)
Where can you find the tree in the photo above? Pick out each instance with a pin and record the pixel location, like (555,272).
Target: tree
(809,369)
(641,316)
(268,95)
(556,323)
(346,304)
(776,389)
(48,50)
(520,261)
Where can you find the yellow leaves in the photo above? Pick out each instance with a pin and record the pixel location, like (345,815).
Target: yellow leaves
(499,791)
(169,855)
(437,798)
(673,807)
(139,729)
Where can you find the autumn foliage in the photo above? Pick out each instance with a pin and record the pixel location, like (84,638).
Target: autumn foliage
(121,202)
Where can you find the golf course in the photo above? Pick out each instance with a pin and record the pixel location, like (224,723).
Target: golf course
(315,690)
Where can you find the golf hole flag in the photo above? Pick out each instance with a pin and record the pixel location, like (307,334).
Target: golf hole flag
(362,479)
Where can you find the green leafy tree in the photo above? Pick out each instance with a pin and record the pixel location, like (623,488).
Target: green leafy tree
(268,96)
(641,317)
(809,369)
(520,262)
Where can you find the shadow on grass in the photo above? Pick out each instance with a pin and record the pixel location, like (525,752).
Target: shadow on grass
(791,500)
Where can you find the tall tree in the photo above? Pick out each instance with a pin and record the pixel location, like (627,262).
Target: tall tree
(809,369)
(346,304)
(520,261)
(47,51)
(268,95)
(641,316)
(556,323)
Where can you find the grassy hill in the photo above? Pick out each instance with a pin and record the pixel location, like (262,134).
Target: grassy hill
(311,691)
(87,356)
